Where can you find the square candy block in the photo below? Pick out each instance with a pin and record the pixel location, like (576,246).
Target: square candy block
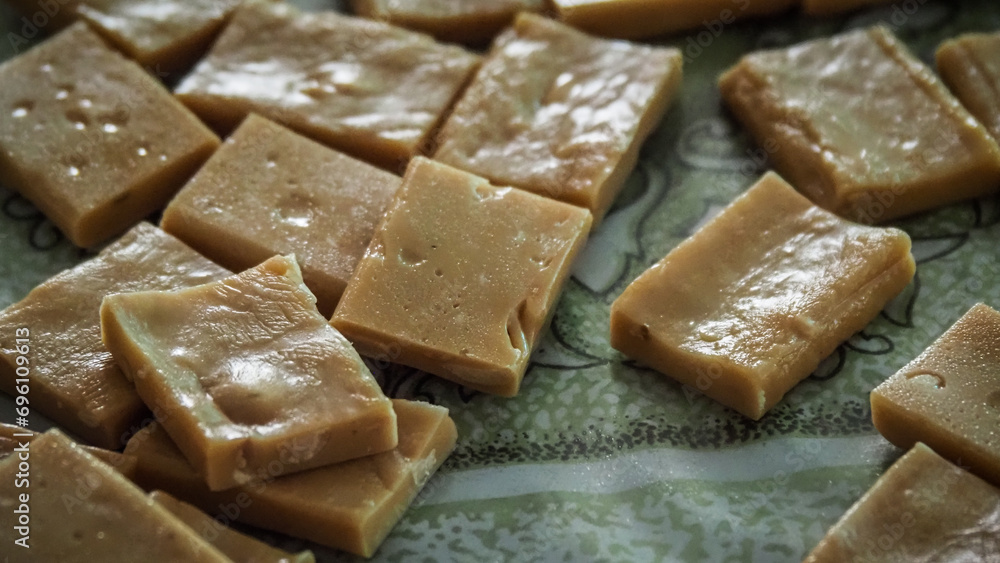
(861,126)
(949,396)
(560,113)
(166,36)
(970,66)
(369,89)
(82,510)
(352,505)
(922,509)
(462,277)
(461,21)
(91,139)
(269,191)
(750,304)
(74,379)
(247,377)
(634,19)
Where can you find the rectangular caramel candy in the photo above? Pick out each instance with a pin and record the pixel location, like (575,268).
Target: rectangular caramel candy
(922,509)
(749,305)
(861,126)
(351,505)
(91,139)
(949,396)
(13,439)
(460,21)
(366,88)
(165,36)
(233,544)
(462,277)
(269,191)
(73,378)
(560,113)
(83,511)
(247,377)
(635,19)
(970,66)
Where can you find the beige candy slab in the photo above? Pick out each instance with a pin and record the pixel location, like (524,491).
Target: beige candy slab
(861,126)
(461,21)
(73,378)
(786,283)
(922,510)
(91,139)
(269,191)
(462,277)
(560,113)
(970,66)
(351,505)
(14,440)
(247,377)
(949,396)
(635,19)
(81,510)
(236,546)
(165,36)
(366,88)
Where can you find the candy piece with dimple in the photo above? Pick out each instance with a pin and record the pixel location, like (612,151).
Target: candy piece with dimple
(560,113)
(269,191)
(77,509)
(462,21)
(922,510)
(970,66)
(91,139)
(861,126)
(236,546)
(350,505)
(461,277)
(949,396)
(247,377)
(73,378)
(366,88)
(14,440)
(749,305)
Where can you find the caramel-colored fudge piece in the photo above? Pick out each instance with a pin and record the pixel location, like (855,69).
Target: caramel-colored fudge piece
(72,378)
(247,377)
(861,126)
(461,21)
(165,36)
(949,396)
(269,191)
(462,277)
(970,66)
(351,505)
(560,113)
(634,19)
(785,284)
(367,88)
(923,509)
(13,440)
(92,139)
(834,7)
(79,509)
(236,546)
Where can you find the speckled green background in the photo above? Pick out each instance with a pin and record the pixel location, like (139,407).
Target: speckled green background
(601,460)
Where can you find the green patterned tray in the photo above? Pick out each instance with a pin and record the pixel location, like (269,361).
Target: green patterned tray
(599,459)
